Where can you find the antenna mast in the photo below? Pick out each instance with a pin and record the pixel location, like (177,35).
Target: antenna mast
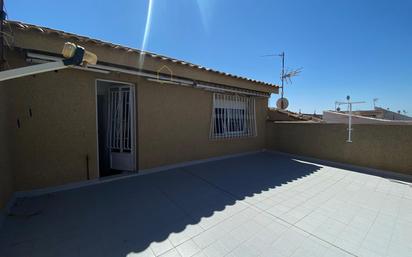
(282,55)
(285,76)
(349,103)
(374,102)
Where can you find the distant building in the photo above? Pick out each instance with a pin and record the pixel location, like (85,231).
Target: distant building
(377,116)
(381,113)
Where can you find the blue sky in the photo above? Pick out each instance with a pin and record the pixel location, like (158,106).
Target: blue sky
(352,47)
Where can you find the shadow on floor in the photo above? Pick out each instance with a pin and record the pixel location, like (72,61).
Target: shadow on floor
(124,216)
(399,177)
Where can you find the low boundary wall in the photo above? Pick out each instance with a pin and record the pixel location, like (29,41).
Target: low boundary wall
(385,147)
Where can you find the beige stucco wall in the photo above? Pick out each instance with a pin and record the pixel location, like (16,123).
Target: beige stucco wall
(6,176)
(174,125)
(50,148)
(383,147)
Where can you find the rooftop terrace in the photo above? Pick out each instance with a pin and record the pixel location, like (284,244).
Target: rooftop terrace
(263,204)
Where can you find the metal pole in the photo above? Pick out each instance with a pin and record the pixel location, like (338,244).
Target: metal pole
(2,18)
(283,77)
(32,70)
(350,123)
(283,72)
(349,103)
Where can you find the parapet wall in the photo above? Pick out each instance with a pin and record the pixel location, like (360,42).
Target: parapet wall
(386,147)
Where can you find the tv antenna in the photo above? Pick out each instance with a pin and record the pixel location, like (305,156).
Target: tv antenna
(349,103)
(337,106)
(285,76)
(374,102)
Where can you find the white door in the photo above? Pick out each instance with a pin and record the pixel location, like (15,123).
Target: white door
(121,126)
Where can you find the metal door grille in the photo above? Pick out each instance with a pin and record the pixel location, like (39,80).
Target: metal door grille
(120,119)
(233,116)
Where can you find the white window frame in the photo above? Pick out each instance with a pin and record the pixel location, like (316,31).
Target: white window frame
(235,118)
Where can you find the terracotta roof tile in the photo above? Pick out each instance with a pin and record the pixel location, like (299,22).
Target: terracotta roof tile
(44,30)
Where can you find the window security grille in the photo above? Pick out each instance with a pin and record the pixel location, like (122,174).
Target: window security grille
(120,118)
(233,116)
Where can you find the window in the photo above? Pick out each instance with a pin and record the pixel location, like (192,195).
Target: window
(232,116)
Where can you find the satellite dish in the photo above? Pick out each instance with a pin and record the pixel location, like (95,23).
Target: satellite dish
(282,103)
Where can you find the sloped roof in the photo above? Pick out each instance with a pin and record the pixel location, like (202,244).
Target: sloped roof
(275,114)
(44,30)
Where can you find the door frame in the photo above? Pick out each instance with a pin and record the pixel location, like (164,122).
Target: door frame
(134,120)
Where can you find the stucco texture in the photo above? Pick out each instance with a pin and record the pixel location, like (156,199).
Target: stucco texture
(57,116)
(6,175)
(174,125)
(385,147)
(51,146)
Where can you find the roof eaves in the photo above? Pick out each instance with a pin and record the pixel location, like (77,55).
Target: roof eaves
(45,30)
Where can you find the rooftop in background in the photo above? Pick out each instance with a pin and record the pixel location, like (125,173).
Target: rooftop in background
(382,113)
(275,114)
(377,116)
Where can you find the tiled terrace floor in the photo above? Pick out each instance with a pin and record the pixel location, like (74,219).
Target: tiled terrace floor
(256,205)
